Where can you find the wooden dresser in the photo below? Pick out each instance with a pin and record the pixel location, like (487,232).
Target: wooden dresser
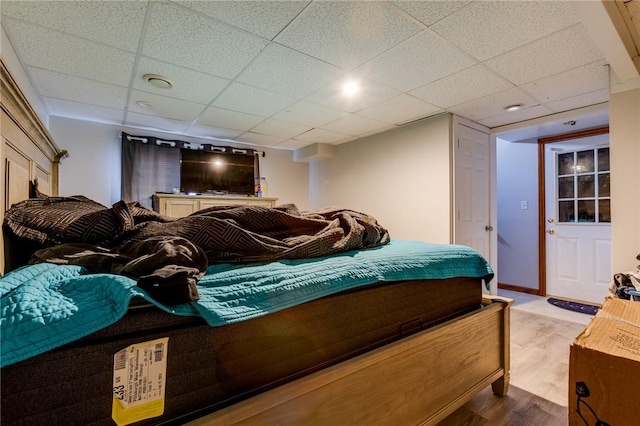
(179,205)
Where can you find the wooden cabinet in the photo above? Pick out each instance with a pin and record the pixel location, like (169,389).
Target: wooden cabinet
(177,205)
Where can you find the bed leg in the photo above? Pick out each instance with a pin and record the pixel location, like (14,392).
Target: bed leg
(501,386)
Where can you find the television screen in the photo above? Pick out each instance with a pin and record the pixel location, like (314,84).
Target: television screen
(202,171)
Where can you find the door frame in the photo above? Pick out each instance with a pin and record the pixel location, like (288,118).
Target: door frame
(542,214)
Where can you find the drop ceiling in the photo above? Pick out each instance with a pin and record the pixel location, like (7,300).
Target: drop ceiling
(270,73)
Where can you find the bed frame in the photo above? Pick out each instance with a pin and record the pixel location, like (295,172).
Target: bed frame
(420,379)
(27,150)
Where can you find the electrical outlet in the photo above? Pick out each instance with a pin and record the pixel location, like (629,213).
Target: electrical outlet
(524,205)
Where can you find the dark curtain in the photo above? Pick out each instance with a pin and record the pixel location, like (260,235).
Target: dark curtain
(148,168)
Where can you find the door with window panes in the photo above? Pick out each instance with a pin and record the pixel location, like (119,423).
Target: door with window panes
(578,219)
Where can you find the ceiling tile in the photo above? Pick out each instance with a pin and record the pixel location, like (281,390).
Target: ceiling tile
(308,114)
(80,111)
(182,36)
(87,58)
(63,86)
(291,144)
(593,98)
(286,71)
(55,51)
(485,29)
(226,119)
(279,128)
(164,106)
(348,33)
(421,60)
(322,136)
(218,133)
(513,117)
(493,105)
(115,23)
(570,83)
(464,86)
(369,93)
(259,139)
(240,97)
(188,85)
(154,122)
(430,12)
(550,55)
(401,109)
(264,18)
(354,125)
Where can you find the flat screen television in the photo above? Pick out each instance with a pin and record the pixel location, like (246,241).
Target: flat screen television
(216,172)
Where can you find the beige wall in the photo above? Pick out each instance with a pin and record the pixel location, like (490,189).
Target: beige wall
(402,177)
(286,179)
(624,119)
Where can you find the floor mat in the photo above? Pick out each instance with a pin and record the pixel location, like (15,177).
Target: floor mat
(574,306)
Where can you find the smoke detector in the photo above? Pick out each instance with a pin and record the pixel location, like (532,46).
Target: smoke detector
(158,81)
(512,108)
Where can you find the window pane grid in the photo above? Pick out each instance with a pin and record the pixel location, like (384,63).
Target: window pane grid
(583,187)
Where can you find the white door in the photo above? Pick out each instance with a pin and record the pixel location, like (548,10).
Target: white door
(578,219)
(472,221)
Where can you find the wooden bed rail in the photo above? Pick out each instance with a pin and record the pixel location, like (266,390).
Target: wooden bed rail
(420,379)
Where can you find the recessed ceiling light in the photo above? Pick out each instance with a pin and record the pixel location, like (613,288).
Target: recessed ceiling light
(350,88)
(144,104)
(158,81)
(512,108)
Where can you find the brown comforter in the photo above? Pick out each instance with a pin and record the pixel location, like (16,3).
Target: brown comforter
(257,234)
(168,256)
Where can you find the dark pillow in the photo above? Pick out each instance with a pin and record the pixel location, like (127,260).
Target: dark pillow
(142,214)
(99,227)
(55,220)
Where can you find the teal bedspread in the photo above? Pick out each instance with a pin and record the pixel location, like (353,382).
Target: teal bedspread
(45,306)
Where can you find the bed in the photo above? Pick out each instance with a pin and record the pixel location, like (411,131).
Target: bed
(432,341)
(386,343)
(305,330)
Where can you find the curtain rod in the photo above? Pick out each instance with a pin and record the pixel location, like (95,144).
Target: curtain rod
(190,145)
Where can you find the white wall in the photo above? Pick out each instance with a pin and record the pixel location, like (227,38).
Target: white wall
(93,168)
(517,181)
(402,177)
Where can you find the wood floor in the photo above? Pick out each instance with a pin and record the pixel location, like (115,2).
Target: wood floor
(538,392)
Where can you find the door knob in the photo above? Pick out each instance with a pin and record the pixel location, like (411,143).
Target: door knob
(488,228)
(551,231)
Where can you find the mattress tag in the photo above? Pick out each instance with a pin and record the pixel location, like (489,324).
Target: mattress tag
(139,376)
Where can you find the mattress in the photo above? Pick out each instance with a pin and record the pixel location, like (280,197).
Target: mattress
(211,367)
